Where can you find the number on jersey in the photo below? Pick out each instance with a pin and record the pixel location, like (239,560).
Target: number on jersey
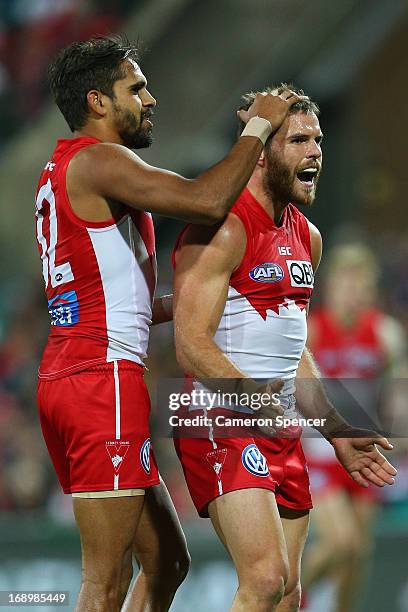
(58,275)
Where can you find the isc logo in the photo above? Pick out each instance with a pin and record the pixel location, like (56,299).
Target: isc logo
(267,273)
(301,273)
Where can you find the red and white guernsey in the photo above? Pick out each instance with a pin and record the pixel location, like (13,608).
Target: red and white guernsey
(100,277)
(355,352)
(343,353)
(263,328)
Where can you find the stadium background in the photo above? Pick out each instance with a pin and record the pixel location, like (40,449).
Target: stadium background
(351,56)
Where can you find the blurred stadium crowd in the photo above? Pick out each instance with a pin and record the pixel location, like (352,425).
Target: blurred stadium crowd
(28,484)
(26,478)
(43,27)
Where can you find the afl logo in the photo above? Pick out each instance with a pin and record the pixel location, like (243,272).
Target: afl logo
(145,455)
(254,461)
(267,273)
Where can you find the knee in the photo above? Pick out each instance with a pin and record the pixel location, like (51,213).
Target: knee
(169,570)
(269,587)
(348,549)
(178,567)
(266,581)
(273,586)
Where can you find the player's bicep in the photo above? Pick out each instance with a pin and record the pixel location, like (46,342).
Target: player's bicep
(199,304)
(114,172)
(205,262)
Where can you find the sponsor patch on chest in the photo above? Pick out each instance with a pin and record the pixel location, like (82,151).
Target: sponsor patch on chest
(300,273)
(267,273)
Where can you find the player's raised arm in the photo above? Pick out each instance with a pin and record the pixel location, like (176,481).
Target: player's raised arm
(115,172)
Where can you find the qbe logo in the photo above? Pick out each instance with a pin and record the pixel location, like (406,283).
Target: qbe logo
(254,461)
(301,273)
(145,455)
(267,273)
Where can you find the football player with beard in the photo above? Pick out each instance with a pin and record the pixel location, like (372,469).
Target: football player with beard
(241,294)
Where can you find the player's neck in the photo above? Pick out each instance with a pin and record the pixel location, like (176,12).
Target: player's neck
(273,208)
(100,131)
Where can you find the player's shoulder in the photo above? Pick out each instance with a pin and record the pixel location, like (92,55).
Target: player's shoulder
(220,246)
(103,152)
(314,232)
(228,233)
(316,244)
(99,165)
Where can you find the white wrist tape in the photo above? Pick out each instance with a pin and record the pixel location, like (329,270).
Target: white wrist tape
(258,127)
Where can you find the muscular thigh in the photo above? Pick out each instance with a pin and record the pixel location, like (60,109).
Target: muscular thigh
(334,520)
(107,529)
(159,537)
(248,523)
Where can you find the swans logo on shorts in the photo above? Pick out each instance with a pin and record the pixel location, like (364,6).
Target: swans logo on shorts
(117,451)
(216,458)
(267,273)
(145,455)
(254,461)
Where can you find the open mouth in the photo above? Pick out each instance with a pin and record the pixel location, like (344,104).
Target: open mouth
(307,176)
(148,118)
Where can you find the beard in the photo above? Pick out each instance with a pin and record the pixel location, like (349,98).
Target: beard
(133,135)
(281,184)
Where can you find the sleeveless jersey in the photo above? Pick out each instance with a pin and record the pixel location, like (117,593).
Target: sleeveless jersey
(100,277)
(263,327)
(343,352)
(347,353)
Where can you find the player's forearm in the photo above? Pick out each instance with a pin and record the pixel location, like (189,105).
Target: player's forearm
(312,400)
(162,310)
(201,357)
(216,190)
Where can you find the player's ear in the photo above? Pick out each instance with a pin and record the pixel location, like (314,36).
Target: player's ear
(97,102)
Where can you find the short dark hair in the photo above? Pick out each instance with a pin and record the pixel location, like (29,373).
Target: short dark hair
(86,65)
(303,106)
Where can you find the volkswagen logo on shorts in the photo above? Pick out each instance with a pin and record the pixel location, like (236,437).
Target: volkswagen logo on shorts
(254,461)
(267,273)
(145,455)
